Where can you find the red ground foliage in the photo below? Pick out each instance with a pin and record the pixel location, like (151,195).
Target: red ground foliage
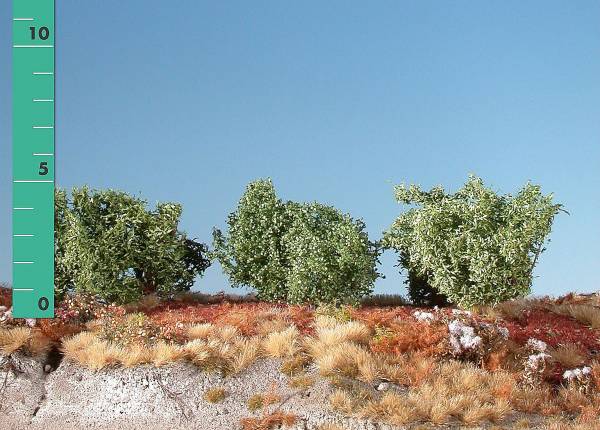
(6,297)
(244,316)
(554,330)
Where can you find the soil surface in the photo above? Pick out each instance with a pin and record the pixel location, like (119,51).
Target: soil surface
(146,397)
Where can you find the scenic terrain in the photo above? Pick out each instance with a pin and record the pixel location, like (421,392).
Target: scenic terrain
(208,362)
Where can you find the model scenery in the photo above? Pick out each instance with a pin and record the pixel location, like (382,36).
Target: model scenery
(310,347)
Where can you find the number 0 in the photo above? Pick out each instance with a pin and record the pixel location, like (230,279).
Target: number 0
(43,303)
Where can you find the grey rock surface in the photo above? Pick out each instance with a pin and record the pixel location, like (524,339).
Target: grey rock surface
(146,397)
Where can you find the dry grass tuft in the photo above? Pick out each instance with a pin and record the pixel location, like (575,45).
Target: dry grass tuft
(200,331)
(14,339)
(294,365)
(341,401)
(275,419)
(568,355)
(248,350)
(261,401)
(165,353)
(515,309)
(282,344)
(38,343)
(266,326)
(86,349)
(588,315)
(213,354)
(301,382)
(351,331)
(347,359)
(145,304)
(392,407)
(228,333)
(135,355)
(215,395)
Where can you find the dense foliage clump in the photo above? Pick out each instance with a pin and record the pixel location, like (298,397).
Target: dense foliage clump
(474,246)
(295,252)
(109,244)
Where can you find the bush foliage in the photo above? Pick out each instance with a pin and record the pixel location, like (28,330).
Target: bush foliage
(107,243)
(296,252)
(474,246)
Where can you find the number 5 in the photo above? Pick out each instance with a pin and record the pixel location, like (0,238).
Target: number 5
(43,168)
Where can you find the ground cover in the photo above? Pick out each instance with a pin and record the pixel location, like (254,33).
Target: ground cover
(531,363)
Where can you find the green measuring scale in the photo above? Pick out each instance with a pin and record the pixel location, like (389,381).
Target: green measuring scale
(33,158)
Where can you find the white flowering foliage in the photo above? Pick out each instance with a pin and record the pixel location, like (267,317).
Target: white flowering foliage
(537,345)
(462,337)
(474,246)
(577,374)
(460,312)
(423,316)
(535,361)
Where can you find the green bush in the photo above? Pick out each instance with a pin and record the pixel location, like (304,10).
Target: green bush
(298,253)
(108,244)
(474,246)
(420,292)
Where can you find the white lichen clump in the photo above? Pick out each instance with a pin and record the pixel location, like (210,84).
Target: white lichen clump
(423,316)
(537,345)
(578,373)
(462,337)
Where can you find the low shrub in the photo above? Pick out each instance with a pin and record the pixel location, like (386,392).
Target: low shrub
(107,243)
(298,253)
(474,246)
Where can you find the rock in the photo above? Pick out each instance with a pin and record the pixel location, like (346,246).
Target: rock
(384,386)
(47,368)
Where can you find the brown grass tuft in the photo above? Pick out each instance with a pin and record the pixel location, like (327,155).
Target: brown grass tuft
(215,395)
(164,353)
(261,401)
(282,344)
(134,355)
(14,339)
(569,355)
(247,351)
(341,401)
(293,365)
(200,331)
(335,334)
(588,315)
(301,382)
(275,419)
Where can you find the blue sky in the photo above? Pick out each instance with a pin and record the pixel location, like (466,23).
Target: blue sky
(335,101)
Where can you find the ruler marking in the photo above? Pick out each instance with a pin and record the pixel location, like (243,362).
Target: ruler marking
(33,46)
(33,242)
